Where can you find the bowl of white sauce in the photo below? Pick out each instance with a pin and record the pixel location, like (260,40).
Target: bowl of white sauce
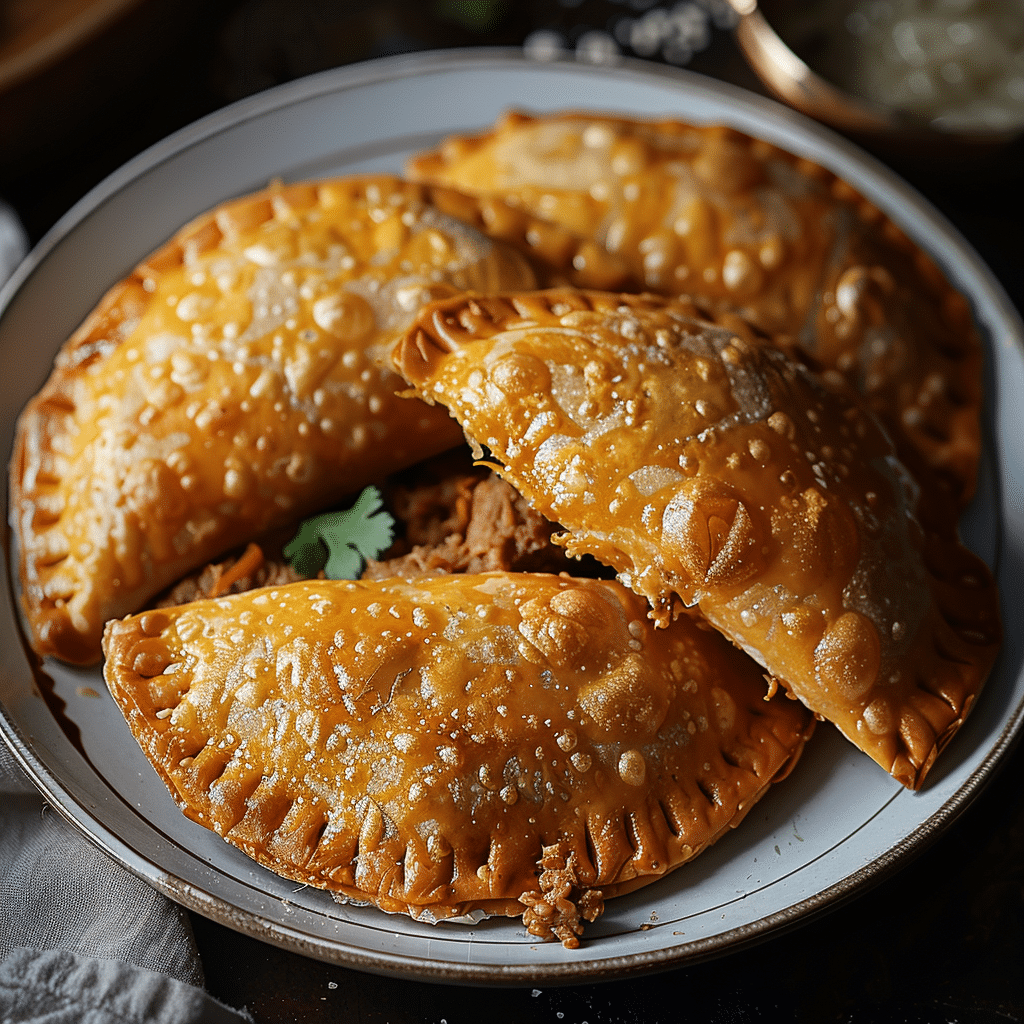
(912,75)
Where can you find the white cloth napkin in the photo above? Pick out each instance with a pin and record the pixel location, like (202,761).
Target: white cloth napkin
(81,938)
(58,987)
(58,891)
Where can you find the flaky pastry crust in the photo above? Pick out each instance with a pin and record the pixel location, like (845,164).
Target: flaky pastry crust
(713,213)
(236,380)
(493,742)
(706,466)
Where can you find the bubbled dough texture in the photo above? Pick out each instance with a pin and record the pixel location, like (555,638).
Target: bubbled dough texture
(701,464)
(713,213)
(234,382)
(417,744)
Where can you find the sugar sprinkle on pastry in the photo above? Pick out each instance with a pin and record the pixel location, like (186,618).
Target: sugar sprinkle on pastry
(510,743)
(237,380)
(709,212)
(711,471)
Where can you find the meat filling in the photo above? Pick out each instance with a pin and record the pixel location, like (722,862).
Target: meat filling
(466,522)
(450,517)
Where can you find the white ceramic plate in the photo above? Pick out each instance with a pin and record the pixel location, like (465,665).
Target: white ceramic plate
(836,824)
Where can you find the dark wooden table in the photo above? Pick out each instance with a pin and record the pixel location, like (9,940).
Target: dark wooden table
(940,940)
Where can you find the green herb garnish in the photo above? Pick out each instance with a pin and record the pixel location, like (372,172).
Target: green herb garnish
(341,542)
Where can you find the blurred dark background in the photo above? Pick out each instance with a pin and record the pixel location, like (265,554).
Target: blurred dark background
(160,64)
(74,109)
(943,939)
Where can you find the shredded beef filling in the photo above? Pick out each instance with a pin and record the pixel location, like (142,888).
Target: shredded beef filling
(450,516)
(257,566)
(466,522)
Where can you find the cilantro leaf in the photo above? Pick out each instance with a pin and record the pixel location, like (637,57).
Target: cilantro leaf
(340,542)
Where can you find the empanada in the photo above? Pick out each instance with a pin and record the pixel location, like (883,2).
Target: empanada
(704,465)
(235,381)
(487,742)
(713,213)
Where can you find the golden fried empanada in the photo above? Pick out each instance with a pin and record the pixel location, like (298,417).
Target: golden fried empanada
(703,465)
(713,213)
(424,746)
(237,379)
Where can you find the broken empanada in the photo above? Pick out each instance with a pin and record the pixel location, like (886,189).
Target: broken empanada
(713,213)
(463,743)
(236,380)
(705,465)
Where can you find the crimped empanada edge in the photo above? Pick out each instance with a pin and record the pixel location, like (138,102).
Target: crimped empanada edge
(40,431)
(772,740)
(937,708)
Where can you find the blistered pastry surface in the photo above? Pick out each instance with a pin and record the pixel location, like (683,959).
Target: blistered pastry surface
(711,212)
(705,466)
(236,380)
(420,745)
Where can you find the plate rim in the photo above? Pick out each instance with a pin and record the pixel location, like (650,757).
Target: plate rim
(432,62)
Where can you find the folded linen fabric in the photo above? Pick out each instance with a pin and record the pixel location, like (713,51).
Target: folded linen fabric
(79,933)
(58,987)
